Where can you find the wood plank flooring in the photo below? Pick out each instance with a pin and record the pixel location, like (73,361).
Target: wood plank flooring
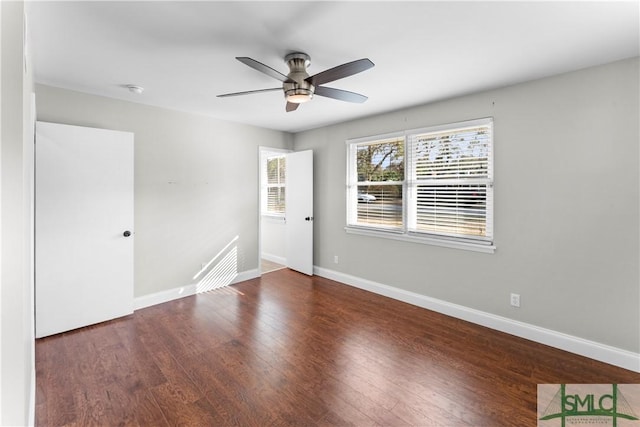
(267,266)
(291,350)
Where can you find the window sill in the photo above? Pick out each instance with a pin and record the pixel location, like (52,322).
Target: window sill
(274,218)
(434,241)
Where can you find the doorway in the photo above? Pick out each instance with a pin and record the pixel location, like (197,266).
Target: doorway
(272,243)
(286,210)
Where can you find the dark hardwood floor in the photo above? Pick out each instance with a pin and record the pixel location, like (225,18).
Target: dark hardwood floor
(287,349)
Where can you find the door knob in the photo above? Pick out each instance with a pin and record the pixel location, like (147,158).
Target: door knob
(309,218)
(127,233)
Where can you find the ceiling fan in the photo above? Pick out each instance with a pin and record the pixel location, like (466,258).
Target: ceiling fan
(299,87)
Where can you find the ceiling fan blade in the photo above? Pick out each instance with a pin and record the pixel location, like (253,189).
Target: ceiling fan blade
(291,106)
(249,92)
(340,72)
(265,69)
(342,95)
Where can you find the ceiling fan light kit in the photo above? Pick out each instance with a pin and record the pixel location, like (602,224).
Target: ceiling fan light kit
(299,95)
(299,87)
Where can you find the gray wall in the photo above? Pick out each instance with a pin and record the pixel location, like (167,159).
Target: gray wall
(566,206)
(16,213)
(196,182)
(566,199)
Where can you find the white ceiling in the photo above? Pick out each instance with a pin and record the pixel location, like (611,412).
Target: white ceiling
(183,53)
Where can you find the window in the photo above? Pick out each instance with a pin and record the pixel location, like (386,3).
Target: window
(433,184)
(378,183)
(273,187)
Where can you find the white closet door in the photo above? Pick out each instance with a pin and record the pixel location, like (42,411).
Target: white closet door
(84,226)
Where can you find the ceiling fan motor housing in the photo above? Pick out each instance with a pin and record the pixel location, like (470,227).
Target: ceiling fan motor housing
(298,89)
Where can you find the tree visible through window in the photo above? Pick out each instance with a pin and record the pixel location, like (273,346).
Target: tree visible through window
(380,177)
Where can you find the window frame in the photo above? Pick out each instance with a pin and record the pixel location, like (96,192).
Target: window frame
(409,184)
(266,154)
(352,186)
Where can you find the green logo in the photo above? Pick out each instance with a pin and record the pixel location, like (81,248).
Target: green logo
(588,404)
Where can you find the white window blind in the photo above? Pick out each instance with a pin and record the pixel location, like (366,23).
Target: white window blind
(272,182)
(451,181)
(275,185)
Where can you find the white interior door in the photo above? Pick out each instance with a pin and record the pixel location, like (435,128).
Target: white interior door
(84,209)
(299,211)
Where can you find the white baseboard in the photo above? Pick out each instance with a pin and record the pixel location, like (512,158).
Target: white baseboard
(184,291)
(594,350)
(274,258)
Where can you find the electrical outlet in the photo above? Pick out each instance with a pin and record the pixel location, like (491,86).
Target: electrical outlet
(515,300)
(335,259)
